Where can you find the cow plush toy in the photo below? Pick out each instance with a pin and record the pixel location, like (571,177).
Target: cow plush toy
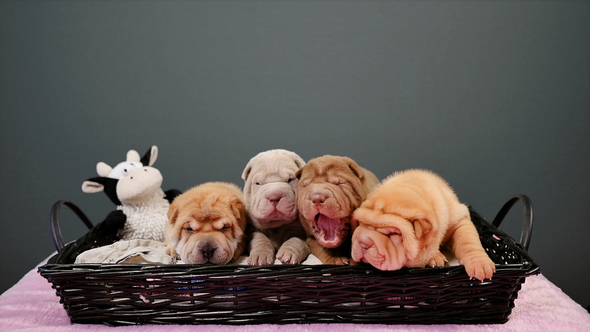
(135,187)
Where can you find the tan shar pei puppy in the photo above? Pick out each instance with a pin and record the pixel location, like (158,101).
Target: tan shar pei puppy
(206,224)
(406,220)
(330,188)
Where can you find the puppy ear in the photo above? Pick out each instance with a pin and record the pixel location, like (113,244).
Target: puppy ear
(355,168)
(298,173)
(299,162)
(247,171)
(238,209)
(421,227)
(172,213)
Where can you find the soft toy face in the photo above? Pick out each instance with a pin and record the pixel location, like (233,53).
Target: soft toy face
(124,169)
(329,189)
(120,185)
(269,189)
(139,184)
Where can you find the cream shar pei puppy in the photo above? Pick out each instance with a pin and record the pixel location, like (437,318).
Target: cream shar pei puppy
(330,188)
(405,221)
(206,224)
(269,195)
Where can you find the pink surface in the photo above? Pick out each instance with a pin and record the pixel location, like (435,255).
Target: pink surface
(31,305)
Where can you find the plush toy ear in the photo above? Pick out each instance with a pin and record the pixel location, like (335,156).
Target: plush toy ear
(103,169)
(150,156)
(91,187)
(421,227)
(132,155)
(98,184)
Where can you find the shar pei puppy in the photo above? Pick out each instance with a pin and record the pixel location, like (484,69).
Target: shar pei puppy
(269,195)
(405,221)
(330,188)
(207,224)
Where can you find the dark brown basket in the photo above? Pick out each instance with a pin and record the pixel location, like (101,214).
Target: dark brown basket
(124,294)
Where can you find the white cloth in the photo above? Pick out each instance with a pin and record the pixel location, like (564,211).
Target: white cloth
(131,251)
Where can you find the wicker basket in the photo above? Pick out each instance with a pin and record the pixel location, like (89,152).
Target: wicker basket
(125,294)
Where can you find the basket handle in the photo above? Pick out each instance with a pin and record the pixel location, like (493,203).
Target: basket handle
(527,226)
(54,221)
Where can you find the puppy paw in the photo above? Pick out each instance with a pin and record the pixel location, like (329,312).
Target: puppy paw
(479,267)
(337,261)
(172,252)
(438,260)
(287,257)
(291,257)
(261,258)
(293,251)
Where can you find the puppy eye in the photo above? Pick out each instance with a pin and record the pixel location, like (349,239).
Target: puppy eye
(290,180)
(224,228)
(189,230)
(257,183)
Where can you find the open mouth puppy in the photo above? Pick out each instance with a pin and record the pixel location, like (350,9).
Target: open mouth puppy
(206,224)
(269,195)
(330,188)
(404,222)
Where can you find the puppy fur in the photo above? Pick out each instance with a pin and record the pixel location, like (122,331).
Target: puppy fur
(406,220)
(206,224)
(330,188)
(269,195)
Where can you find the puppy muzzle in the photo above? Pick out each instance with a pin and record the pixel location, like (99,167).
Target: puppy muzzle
(385,252)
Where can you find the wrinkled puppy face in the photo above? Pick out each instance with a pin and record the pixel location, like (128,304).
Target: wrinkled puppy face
(206,228)
(329,189)
(269,189)
(388,241)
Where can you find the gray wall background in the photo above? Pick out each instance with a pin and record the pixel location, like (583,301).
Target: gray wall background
(493,95)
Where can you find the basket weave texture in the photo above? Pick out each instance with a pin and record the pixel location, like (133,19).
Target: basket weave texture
(127,294)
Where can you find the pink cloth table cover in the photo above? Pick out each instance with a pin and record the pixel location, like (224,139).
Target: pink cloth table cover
(32,305)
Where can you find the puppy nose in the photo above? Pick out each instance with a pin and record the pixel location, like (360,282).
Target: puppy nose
(208,252)
(275,198)
(318,199)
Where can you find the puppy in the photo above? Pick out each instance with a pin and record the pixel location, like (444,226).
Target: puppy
(269,195)
(404,222)
(206,224)
(330,188)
